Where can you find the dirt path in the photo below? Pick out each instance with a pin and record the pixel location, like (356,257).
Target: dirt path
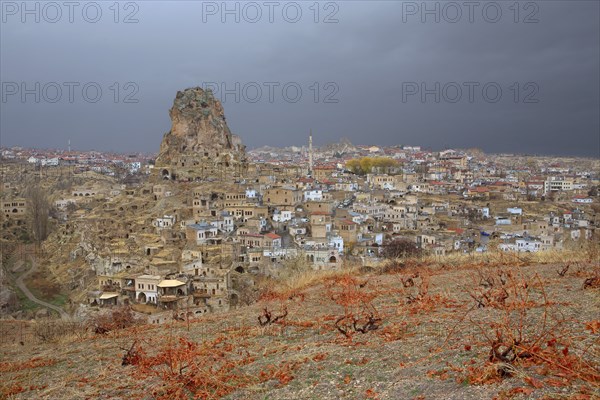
(21,285)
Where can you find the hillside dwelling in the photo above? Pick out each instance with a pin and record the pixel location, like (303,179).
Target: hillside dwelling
(128,288)
(257,224)
(503,221)
(166,222)
(348,230)
(159,191)
(234,198)
(323,259)
(146,288)
(318,206)
(283,216)
(558,184)
(297,230)
(282,196)
(313,195)
(201,233)
(582,200)
(83,192)
(272,240)
(323,172)
(529,245)
(171,288)
(172,294)
(16,208)
(269,240)
(108,299)
(207,287)
(63,203)
(224,223)
(193,267)
(201,205)
(382,181)
(108,283)
(245,212)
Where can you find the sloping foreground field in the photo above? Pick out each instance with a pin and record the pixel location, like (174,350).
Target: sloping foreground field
(476,331)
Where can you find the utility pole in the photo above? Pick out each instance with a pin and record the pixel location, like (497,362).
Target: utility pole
(310,154)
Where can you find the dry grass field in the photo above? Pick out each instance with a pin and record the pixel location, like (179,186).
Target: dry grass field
(484,327)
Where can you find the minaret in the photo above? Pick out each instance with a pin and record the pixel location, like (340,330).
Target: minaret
(69,145)
(310,154)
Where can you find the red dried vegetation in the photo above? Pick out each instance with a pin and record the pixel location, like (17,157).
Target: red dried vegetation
(7,366)
(526,334)
(359,316)
(187,369)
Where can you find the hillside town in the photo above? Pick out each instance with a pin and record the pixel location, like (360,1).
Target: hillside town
(189,230)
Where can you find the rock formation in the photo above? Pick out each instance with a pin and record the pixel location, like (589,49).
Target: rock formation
(200,145)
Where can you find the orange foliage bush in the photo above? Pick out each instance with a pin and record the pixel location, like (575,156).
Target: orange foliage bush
(525,334)
(359,313)
(187,369)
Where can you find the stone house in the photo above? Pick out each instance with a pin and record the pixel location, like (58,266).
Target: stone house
(15,208)
(171,292)
(318,206)
(323,172)
(320,224)
(280,196)
(348,230)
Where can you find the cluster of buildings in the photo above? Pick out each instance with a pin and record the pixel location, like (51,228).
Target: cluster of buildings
(444,202)
(79,161)
(187,232)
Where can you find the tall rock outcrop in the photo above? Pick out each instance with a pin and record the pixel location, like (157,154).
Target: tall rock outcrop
(200,145)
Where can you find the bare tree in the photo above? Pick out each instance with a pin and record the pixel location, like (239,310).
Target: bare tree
(400,248)
(38,208)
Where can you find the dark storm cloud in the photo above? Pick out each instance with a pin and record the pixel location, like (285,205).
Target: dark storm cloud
(376,51)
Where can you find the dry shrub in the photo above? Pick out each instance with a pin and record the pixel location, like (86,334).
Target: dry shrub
(48,330)
(115,319)
(397,266)
(523,332)
(414,289)
(360,316)
(267,317)
(187,369)
(592,282)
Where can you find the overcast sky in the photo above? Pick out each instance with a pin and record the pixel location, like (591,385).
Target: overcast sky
(490,75)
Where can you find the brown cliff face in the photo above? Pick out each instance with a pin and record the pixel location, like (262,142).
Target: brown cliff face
(199,145)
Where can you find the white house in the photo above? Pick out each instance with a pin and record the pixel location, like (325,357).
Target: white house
(337,242)
(167,221)
(502,221)
(528,245)
(313,195)
(202,232)
(514,210)
(282,216)
(146,288)
(50,162)
(225,224)
(582,200)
